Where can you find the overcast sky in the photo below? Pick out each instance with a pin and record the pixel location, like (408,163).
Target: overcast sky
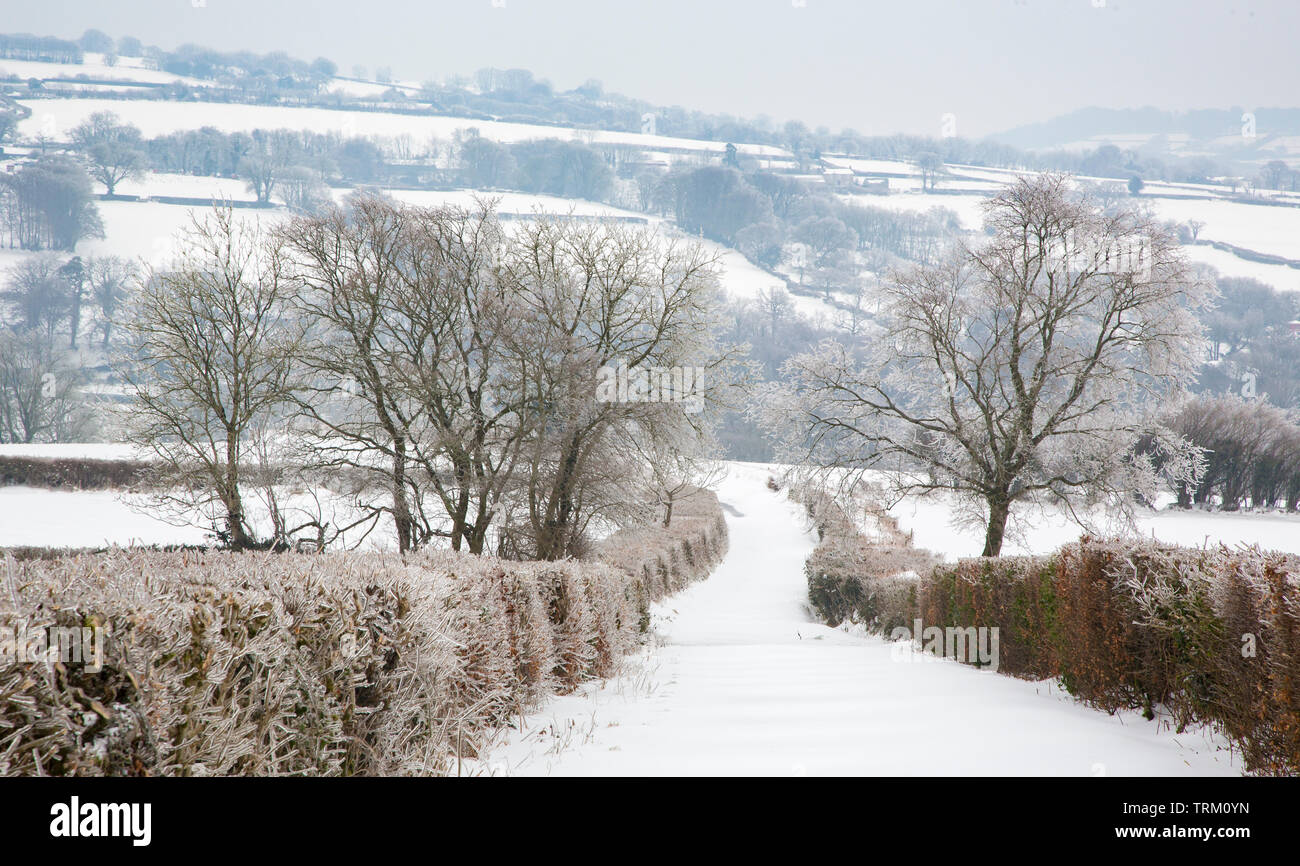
(879,67)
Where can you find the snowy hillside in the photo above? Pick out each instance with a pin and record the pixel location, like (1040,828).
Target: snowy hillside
(155,118)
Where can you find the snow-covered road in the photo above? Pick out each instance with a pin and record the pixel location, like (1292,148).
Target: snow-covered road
(742,682)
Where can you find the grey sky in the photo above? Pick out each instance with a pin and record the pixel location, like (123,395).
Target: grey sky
(879,67)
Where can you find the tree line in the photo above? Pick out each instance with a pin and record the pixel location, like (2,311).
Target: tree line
(1251,453)
(47,204)
(445,368)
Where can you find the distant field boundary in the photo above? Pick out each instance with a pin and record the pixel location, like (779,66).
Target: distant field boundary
(1249,254)
(187,201)
(71,473)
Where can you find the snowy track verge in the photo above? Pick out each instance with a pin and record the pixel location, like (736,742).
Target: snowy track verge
(741,681)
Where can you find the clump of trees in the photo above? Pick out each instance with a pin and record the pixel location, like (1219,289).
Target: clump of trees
(1028,368)
(569,169)
(46,207)
(46,204)
(443,368)
(1252,349)
(47,49)
(39,399)
(1251,453)
(45,300)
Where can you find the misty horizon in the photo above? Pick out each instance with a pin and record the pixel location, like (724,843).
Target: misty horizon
(780,59)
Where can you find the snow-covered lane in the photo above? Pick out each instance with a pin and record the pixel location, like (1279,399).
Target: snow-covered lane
(744,683)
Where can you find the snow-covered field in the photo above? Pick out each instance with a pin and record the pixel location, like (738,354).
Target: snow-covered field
(73,450)
(743,279)
(1273,230)
(743,682)
(125,69)
(1281,277)
(1263,228)
(35,517)
(88,518)
(38,517)
(507,202)
(144,231)
(1038,531)
(186,185)
(875,166)
(154,118)
(148,231)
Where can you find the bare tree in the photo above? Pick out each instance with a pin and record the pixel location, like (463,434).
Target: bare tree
(211,361)
(38,392)
(475,379)
(115,149)
(1025,369)
(302,190)
(1275,174)
(268,158)
(108,278)
(931,168)
(348,266)
(39,294)
(73,274)
(678,468)
(422,361)
(610,296)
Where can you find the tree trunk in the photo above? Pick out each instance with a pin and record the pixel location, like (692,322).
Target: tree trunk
(553,539)
(401,509)
(75,325)
(230,496)
(235,520)
(999,510)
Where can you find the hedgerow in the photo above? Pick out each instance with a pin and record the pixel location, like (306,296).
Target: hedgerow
(71,473)
(1211,635)
(219,663)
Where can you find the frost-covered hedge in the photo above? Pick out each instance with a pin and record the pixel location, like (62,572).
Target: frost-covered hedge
(1212,635)
(71,472)
(666,559)
(852,578)
(337,664)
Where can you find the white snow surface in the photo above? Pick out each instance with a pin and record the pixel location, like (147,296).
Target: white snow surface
(1035,530)
(1281,277)
(743,682)
(160,117)
(83,518)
